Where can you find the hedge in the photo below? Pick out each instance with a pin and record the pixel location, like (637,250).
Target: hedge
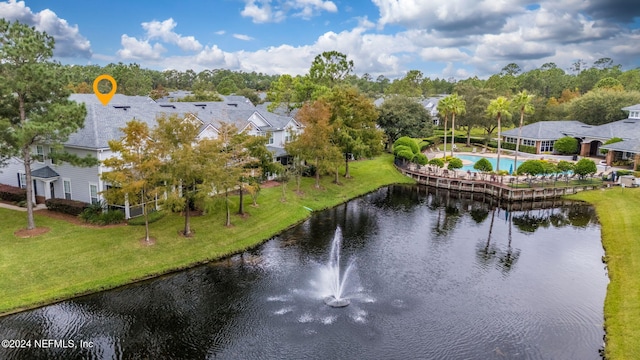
(71,207)
(12,193)
(512,146)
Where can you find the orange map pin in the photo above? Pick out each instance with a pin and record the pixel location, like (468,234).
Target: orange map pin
(105,98)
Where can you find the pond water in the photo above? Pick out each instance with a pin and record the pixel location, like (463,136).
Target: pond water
(439,277)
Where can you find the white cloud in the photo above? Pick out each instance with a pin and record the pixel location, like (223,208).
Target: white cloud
(242,37)
(164,31)
(68,40)
(264,11)
(261,14)
(135,49)
(220,32)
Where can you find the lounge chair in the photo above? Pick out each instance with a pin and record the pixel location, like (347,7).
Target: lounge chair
(484,150)
(474,150)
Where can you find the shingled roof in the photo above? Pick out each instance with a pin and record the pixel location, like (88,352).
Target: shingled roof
(103,123)
(548,130)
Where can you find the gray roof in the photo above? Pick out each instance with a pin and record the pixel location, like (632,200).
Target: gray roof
(277,151)
(548,130)
(624,129)
(635,107)
(632,146)
(44,173)
(103,123)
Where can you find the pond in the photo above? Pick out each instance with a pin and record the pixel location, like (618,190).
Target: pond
(435,277)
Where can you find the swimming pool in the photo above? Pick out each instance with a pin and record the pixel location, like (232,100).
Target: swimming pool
(505,163)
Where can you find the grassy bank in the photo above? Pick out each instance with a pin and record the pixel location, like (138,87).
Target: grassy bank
(619,213)
(70,260)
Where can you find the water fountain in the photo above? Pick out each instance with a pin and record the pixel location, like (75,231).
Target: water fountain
(333,280)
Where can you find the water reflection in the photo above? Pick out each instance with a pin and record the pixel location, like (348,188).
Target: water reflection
(442,275)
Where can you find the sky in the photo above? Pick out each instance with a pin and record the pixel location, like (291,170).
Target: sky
(442,38)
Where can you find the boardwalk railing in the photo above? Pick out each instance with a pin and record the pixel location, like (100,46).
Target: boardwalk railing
(495,186)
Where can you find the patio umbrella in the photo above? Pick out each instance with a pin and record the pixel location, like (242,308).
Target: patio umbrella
(510,169)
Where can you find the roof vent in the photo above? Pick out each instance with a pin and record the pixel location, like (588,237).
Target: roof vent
(233,104)
(123,107)
(167,106)
(629,122)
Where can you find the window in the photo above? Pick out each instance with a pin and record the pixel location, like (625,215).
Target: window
(93,189)
(528,142)
(22,180)
(546,146)
(67,188)
(40,153)
(634,114)
(271,139)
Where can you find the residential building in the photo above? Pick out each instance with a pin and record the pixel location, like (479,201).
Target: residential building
(103,123)
(591,138)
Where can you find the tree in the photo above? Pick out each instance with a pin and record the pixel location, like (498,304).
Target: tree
(483,165)
(34,101)
(330,68)
(437,162)
(176,141)
(531,168)
(134,170)
(409,86)
(403,116)
(522,101)
(282,92)
(443,110)
(585,167)
(353,123)
(566,145)
(602,106)
(454,105)
(499,108)
(455,164)
(476,99)
(314,144)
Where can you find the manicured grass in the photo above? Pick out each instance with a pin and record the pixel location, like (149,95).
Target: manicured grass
(618,210)
(70,260)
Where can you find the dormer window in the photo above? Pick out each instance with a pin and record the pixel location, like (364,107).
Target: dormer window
(634,114)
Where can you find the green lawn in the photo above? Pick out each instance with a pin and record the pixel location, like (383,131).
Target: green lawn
(70,260)
(618,210)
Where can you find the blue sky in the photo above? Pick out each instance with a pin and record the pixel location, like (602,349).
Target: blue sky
(442,38)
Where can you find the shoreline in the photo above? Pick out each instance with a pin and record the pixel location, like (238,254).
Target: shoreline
(162,256)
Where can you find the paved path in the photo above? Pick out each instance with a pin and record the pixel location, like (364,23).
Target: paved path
(18,208)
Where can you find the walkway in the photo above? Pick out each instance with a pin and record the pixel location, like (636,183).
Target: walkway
(19,208)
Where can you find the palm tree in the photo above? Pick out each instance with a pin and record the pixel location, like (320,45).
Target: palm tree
(456,106)
(443,109)
(522,101)
(499,107)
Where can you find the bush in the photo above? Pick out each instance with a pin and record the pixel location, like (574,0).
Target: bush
(510,146)
(566,146)
(421,159)
(12,193)
(436,162)
(624,172)
(405,154)
(425,144)
(399,148)
(153,217)
(454,164)
(309,171)
(71,207)
(408,142)
(95,214)
(585,167)
(483,165)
